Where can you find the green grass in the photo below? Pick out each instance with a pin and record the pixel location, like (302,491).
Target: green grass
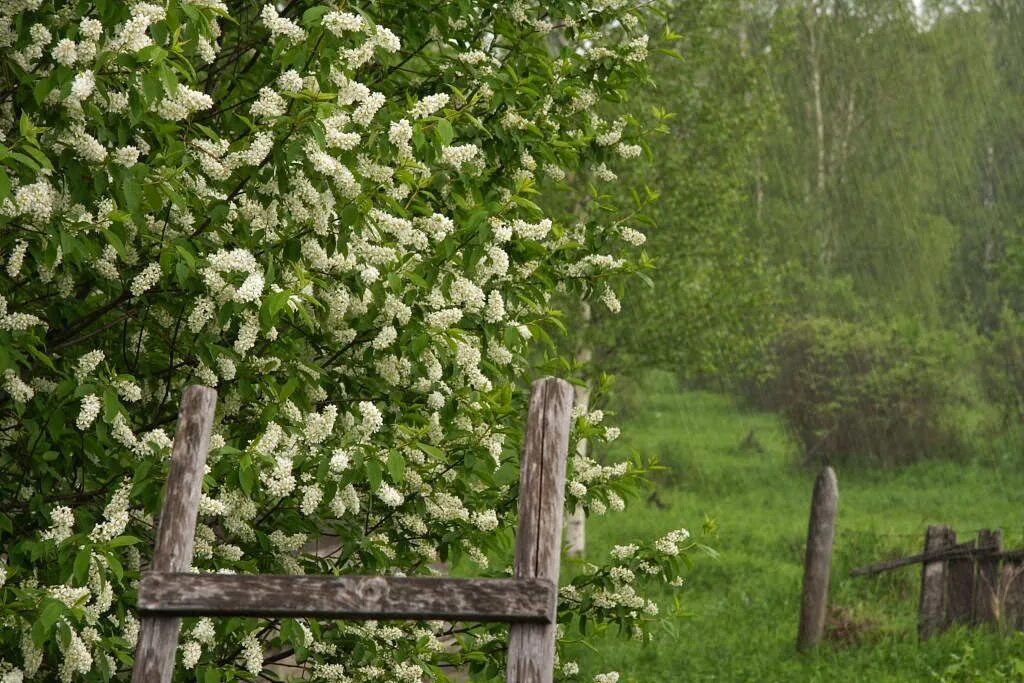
(742,608)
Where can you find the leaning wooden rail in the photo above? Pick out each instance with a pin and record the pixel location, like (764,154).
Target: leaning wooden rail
(528,602)
(956,552)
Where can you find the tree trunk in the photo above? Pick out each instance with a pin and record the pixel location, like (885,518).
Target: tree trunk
(576,528)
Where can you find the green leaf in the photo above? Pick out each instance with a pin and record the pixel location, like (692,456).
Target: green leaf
(132,193)
(116,568)
(5,185)
(80,571)
(38,155)
(115,242)
(25,126)
(63,634)
(373,473)
(313,15)
(41,357)
(432,451)
(123,541)
(246,475)
(111,406)
(52,609)
(289,388)
(445,133)
(396,467)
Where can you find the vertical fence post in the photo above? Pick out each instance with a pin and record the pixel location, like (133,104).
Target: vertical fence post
(531,649)
(960,588)
(158,635)
(931,617)
(987,606)
(821,531)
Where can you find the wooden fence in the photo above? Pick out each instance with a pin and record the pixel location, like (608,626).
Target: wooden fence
(973,582)
(528,601)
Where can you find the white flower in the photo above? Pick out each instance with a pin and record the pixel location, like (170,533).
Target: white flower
(115,516)
(16,388)
(390,496)
(624,552)
(38,200)
(87,363)
(340,22)
(126,156)
(145,280)
(372,418)
(280,27)
(269,104)
(62,521)
(191,651)
(428,105)
(290,81)
(16,258)
(459,155)
(64,52)
(628,151)
(90,409)
(340,460)
(312,496)
(185,102)
(91,29)
(82,87)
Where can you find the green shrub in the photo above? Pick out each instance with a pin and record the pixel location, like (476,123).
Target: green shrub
(884,392)
(1002,367)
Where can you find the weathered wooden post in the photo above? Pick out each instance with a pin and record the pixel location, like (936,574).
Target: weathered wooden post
(931,617)
(821,533)
(987,607)
(529,601)
(158,634)
(531,649)
(960,586)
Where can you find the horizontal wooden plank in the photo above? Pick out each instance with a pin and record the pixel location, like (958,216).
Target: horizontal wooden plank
(348,597)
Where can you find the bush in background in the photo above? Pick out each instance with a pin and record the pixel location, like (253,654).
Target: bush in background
(877,392)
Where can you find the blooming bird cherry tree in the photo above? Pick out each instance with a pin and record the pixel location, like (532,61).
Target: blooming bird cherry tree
(333,214)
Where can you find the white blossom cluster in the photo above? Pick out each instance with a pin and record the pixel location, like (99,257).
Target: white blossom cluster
(336,215)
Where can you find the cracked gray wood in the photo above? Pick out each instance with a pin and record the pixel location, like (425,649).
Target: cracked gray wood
(932,612)
(158,635)
(531,649)
(821,531)
(348,597)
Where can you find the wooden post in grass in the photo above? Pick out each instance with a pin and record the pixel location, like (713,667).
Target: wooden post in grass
(531,647)
(960,589)
(176,531)
(821,533)
(931,617)
(986,578)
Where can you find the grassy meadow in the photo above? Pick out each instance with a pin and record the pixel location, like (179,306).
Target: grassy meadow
(737,614)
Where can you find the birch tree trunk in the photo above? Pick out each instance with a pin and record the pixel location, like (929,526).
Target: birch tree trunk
(827,236)
(576,527)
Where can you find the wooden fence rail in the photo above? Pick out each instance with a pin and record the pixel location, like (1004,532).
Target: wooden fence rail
(973,582)
(528,601)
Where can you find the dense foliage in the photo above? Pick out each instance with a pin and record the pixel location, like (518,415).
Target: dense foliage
(712,301)
(884,393)
(330,213)
(888,186)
